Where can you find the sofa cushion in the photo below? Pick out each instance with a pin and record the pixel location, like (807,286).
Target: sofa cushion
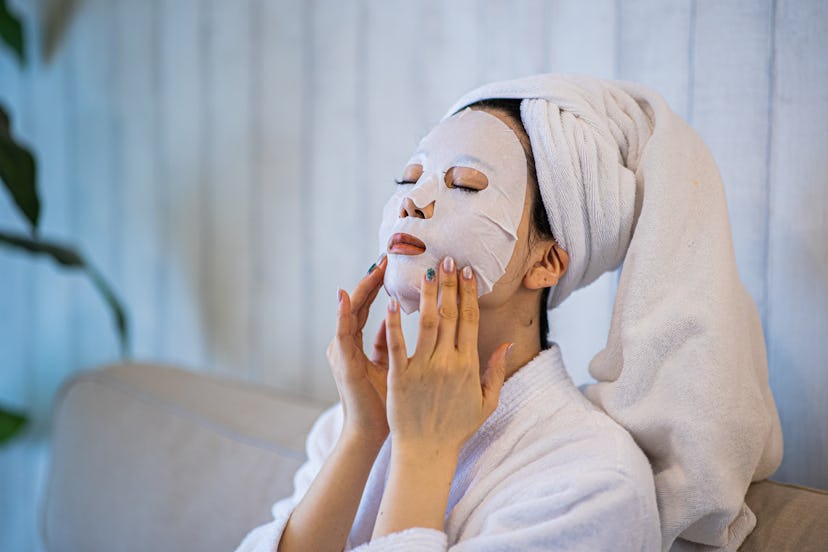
(148,457)
(788,517)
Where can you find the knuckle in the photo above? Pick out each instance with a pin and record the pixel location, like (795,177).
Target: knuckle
(469,290)
(450,282)
(447,311)
(439,363)
(429,322)
(470,314)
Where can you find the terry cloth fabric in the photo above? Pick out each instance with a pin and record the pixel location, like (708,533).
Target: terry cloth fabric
(546,471)
(625,179)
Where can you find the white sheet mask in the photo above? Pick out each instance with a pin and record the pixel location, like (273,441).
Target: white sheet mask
(476,228)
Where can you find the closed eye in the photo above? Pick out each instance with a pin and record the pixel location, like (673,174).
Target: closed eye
(466,179)
(462,188)
(411,174)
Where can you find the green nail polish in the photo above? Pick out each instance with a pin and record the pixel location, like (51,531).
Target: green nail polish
(430,274)
(373,266)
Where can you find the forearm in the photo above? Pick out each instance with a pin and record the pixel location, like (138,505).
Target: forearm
(323,518)
(417,491)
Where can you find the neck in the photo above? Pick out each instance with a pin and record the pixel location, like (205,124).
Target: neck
(515,321)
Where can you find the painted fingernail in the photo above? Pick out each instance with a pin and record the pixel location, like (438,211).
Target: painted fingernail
(371,268)
(338,295)
(393,305)
(509,350)
(430,274)
(467,273)
(448,265)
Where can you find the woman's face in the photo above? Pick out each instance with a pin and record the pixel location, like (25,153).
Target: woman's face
(464,194)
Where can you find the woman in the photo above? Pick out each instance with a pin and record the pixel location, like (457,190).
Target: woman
(479,440)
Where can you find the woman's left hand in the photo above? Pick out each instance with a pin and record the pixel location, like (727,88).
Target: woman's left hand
(437,399)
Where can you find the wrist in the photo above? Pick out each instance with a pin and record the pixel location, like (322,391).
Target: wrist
(356,439)
(418,457)
(416,493)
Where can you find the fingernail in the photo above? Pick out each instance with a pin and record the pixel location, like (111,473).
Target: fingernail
(338,295)
(393,305)
(448,265)
(467,273)
(430,274)
(381,258)
(509,350)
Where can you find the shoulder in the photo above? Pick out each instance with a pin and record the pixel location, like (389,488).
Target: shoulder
(580,438)
(573,474)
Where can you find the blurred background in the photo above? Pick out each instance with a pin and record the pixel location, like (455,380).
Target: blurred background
(224,165)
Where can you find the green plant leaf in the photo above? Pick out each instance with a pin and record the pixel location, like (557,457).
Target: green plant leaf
(11,31)
(68,257)
(18,171)
(10,424)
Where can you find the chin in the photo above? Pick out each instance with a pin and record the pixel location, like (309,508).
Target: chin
(404,276)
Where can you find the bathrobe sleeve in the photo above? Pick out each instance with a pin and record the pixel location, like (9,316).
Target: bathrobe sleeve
(593,510)
(321,440)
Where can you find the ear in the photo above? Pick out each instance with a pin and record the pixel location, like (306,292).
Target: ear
(548,269)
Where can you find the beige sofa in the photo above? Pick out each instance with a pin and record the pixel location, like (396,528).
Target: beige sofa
(149,457)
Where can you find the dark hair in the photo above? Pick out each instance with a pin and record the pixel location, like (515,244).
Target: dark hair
(540,222)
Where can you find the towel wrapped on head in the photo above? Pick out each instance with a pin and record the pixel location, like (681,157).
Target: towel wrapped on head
(626,180)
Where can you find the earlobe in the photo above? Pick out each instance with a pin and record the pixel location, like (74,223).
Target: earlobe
(549,269)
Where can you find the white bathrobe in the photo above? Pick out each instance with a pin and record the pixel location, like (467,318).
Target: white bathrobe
(546,471)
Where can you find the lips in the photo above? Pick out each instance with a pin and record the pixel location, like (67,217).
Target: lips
(405,244)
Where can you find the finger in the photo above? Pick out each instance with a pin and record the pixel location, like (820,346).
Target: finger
(343,322)
(469,312)
(397,357)
(378,273)
(379,362)
(492,381)
(447,305)
(379,355)
(429,318)
(369,286)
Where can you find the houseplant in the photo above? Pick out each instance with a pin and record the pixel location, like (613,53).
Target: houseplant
(18,174)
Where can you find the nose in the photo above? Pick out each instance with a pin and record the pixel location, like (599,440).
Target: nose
(410,209)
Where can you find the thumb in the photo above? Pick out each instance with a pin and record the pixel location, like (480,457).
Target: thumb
(492,380)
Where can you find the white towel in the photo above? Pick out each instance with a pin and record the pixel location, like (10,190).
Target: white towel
(625,179)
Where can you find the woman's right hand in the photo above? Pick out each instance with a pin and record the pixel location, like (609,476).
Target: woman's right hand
(361,381)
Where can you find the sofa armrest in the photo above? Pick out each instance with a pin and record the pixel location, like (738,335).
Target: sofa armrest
(148,457)
(788,518)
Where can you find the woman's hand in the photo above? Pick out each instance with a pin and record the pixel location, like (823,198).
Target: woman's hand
(438,398)
(361,382)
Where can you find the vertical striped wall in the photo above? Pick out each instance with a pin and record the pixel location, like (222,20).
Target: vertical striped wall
(225,163)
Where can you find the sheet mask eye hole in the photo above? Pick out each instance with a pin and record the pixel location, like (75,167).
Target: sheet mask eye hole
(466,179)
(411,174)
